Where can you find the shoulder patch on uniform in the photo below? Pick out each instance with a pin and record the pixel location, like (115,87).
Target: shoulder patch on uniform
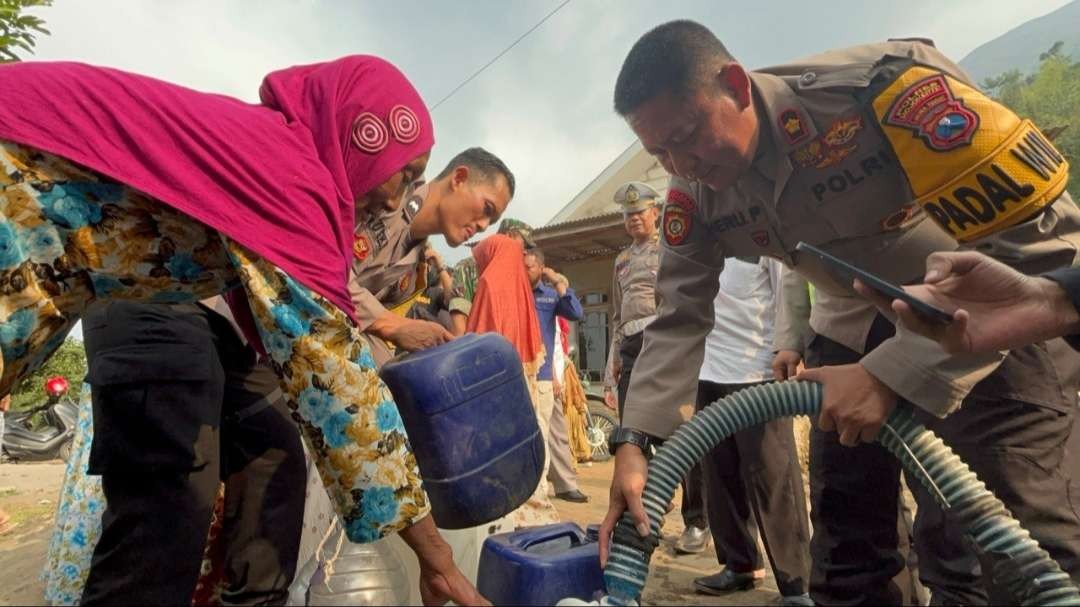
(681,199)
(973,165)
(361,247)
(792,126)
(412,207)
(932,112)
(678,216)
(832,147)
(677,224)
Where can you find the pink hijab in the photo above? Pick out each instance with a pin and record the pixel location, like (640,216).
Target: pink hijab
(280,178)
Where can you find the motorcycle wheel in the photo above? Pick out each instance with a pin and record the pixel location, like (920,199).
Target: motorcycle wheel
(599,424)
(65,450)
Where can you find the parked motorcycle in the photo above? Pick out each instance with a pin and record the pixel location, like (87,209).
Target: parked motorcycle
(50,439)
(600,421)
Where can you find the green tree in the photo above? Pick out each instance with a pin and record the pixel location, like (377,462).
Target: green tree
(69,360)
(17,29)
(1051,98)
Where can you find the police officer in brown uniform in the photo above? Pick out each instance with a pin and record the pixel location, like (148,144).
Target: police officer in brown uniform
(880,154)
(633,287)
(633,295)
(387,271)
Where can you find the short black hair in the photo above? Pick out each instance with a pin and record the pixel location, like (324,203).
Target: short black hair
(673,57)
(537,253)
(481,161)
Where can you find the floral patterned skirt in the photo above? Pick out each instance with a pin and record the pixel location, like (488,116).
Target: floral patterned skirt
(69,236)
(77,525)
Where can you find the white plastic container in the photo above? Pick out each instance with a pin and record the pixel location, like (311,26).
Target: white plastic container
(380,573)
(358,574)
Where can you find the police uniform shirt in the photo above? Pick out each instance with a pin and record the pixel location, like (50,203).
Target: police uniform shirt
(386,260)
(633,295)
(879,154)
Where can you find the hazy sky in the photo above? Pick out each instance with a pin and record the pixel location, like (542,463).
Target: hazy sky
(544,107)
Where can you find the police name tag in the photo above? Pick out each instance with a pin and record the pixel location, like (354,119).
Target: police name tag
(975,167)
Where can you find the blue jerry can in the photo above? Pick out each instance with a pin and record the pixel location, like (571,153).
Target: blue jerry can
(540,566)
(472,426)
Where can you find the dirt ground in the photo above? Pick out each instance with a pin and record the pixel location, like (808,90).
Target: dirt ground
(29,493)
(671,577)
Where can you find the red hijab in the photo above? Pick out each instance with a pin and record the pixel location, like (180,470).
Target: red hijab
(564,334)
(280,178)
(503,302)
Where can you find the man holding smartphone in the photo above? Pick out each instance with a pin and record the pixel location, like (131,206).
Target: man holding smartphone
(883,154)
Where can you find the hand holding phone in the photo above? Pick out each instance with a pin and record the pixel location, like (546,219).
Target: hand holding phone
(996,307)
(846,273)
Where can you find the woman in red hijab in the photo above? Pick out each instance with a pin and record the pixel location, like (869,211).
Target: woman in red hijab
(115,185)
(503,301)
(503,304)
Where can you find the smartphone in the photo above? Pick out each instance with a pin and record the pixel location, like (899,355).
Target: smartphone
(847,273)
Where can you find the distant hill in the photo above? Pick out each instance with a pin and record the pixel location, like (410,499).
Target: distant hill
(1019,48)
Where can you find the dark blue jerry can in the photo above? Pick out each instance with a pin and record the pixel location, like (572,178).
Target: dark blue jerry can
(472,426)
(540,566)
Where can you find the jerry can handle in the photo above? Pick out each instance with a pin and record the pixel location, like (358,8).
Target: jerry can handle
(571,533)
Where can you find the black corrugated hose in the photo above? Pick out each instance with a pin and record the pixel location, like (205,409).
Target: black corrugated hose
(1027,569)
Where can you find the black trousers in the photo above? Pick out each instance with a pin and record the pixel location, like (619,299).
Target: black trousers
(629,350)
(751,481)
(181,405)
(695,505)
(1017,448)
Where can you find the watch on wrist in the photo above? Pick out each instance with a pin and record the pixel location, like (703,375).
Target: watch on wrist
(629,435)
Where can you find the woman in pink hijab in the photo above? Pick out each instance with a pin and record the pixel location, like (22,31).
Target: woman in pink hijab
(115,185)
